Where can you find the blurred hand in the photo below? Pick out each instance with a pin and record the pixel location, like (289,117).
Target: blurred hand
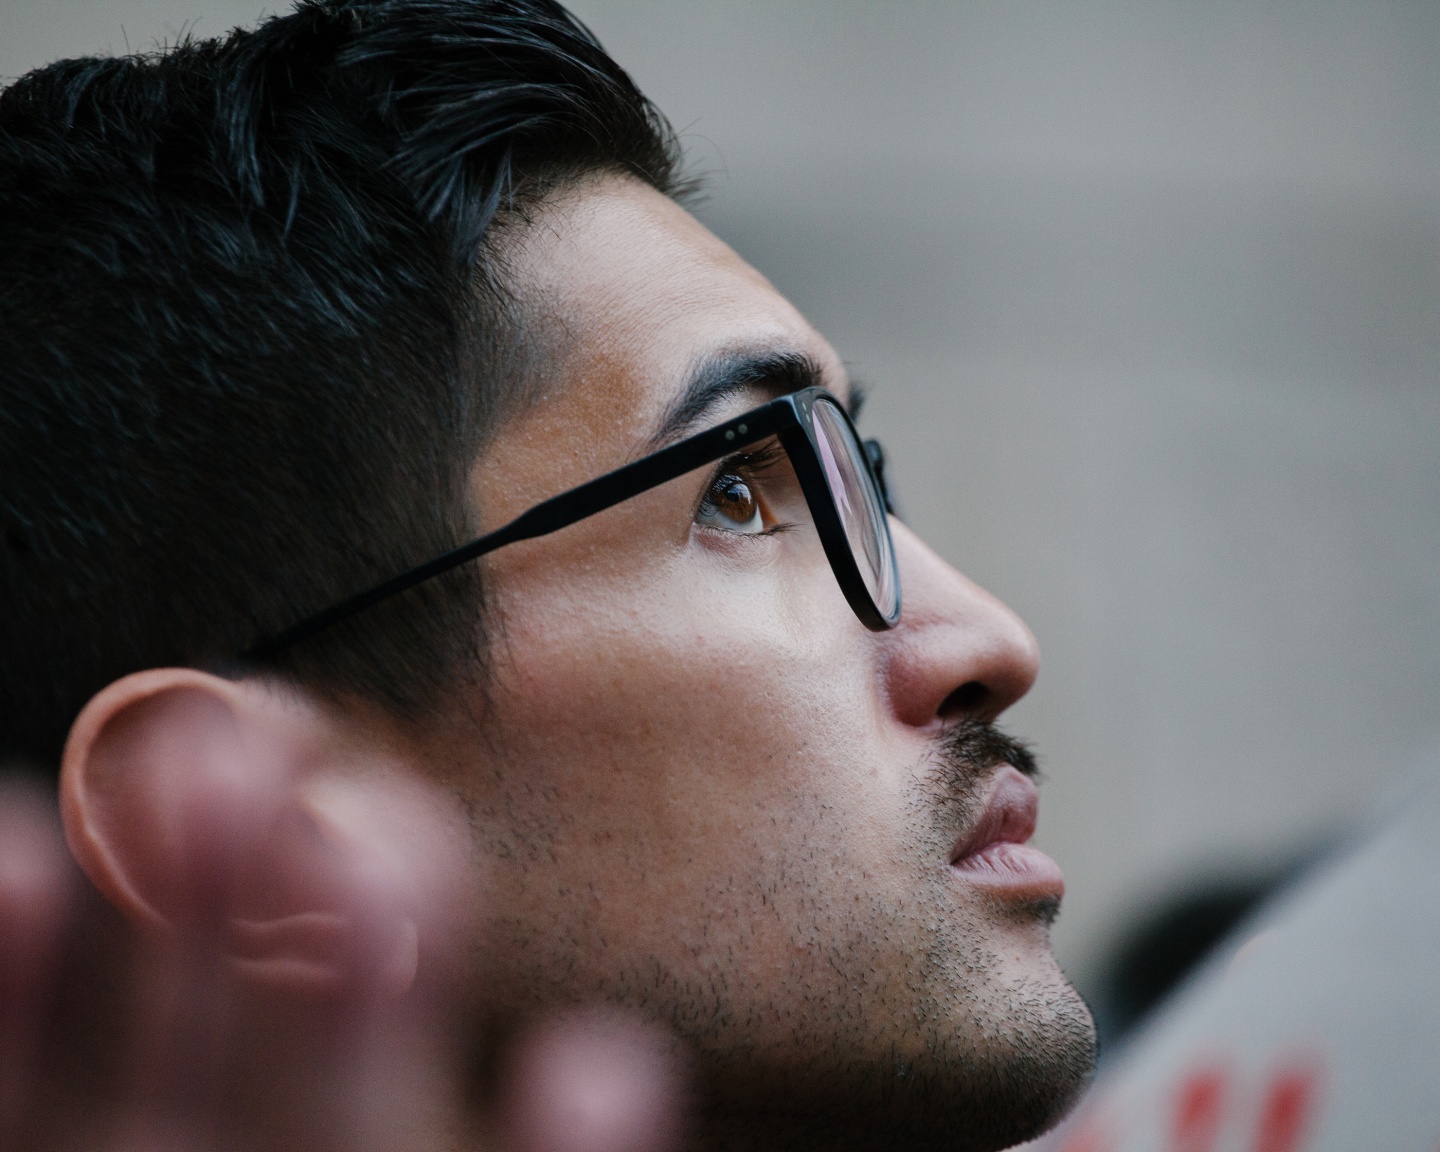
(117,1037)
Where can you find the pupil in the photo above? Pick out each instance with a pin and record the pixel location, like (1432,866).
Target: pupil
(735,499)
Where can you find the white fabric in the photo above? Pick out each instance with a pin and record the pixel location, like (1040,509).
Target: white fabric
(1316,1029)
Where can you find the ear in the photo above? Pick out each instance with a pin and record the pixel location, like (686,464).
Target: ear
(192,803)
(147,759)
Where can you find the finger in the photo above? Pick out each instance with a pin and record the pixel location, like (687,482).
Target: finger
(277,1004)
(37,891)
(288,1008)
(183,1016)
(594,1081)
(384,861)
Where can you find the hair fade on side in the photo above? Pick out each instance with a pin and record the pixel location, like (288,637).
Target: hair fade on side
(253,332)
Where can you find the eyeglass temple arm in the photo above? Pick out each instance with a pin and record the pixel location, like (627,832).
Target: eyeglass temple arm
(875,454)
(558,512)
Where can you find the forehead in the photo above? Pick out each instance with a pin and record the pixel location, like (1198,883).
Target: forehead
(635,297)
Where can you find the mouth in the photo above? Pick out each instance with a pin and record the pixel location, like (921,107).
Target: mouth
(994,854)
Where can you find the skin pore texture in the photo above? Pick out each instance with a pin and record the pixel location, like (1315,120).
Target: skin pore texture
(699,787)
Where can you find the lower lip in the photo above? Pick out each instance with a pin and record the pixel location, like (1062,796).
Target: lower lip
(1016,871)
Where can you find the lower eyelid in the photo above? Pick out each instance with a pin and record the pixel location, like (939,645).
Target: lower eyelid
(738,545)
(778,529)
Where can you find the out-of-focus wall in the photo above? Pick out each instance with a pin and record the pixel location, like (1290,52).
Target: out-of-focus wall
(1148,295)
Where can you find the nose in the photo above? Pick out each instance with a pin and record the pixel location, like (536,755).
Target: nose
(957,651)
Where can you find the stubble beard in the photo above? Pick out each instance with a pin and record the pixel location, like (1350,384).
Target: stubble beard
(895,1025)
(916,1041)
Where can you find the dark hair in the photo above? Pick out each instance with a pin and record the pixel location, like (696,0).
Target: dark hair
(254,328)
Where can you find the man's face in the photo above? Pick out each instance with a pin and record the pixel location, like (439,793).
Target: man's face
(701,787)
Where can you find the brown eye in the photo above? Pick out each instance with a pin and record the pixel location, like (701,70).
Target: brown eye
(731,505)
(734,499)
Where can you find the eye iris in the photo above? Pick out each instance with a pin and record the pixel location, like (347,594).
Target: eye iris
(734,500)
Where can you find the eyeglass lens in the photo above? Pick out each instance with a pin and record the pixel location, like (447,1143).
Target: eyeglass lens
(861,510)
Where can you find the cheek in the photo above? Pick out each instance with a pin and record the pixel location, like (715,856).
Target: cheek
(694,765)
(666,713)
(692,665)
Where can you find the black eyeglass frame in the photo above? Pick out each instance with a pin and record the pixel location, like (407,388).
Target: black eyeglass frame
(789,418)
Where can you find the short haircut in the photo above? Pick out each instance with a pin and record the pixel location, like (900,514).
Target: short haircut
(255,327)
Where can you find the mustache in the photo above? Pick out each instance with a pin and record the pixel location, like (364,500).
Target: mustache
(960,763)
(973,747)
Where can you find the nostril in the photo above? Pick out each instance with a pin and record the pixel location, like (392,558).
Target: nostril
(966,700)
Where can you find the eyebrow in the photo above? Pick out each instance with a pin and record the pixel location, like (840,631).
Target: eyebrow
(765,375)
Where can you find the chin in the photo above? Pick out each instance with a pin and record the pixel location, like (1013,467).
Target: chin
(947,1092)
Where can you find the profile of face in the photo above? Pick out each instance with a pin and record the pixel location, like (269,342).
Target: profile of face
(698,785)
(690,782)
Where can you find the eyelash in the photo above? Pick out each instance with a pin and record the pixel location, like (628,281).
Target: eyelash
(752,462)
(749,466)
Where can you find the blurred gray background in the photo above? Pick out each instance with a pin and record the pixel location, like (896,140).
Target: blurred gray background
(1148,297)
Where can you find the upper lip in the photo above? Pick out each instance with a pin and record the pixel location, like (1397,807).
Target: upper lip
(1009,815)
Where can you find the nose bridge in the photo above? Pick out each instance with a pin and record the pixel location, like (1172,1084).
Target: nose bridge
(957,649)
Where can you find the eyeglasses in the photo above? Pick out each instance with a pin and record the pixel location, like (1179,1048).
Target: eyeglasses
(841,476)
